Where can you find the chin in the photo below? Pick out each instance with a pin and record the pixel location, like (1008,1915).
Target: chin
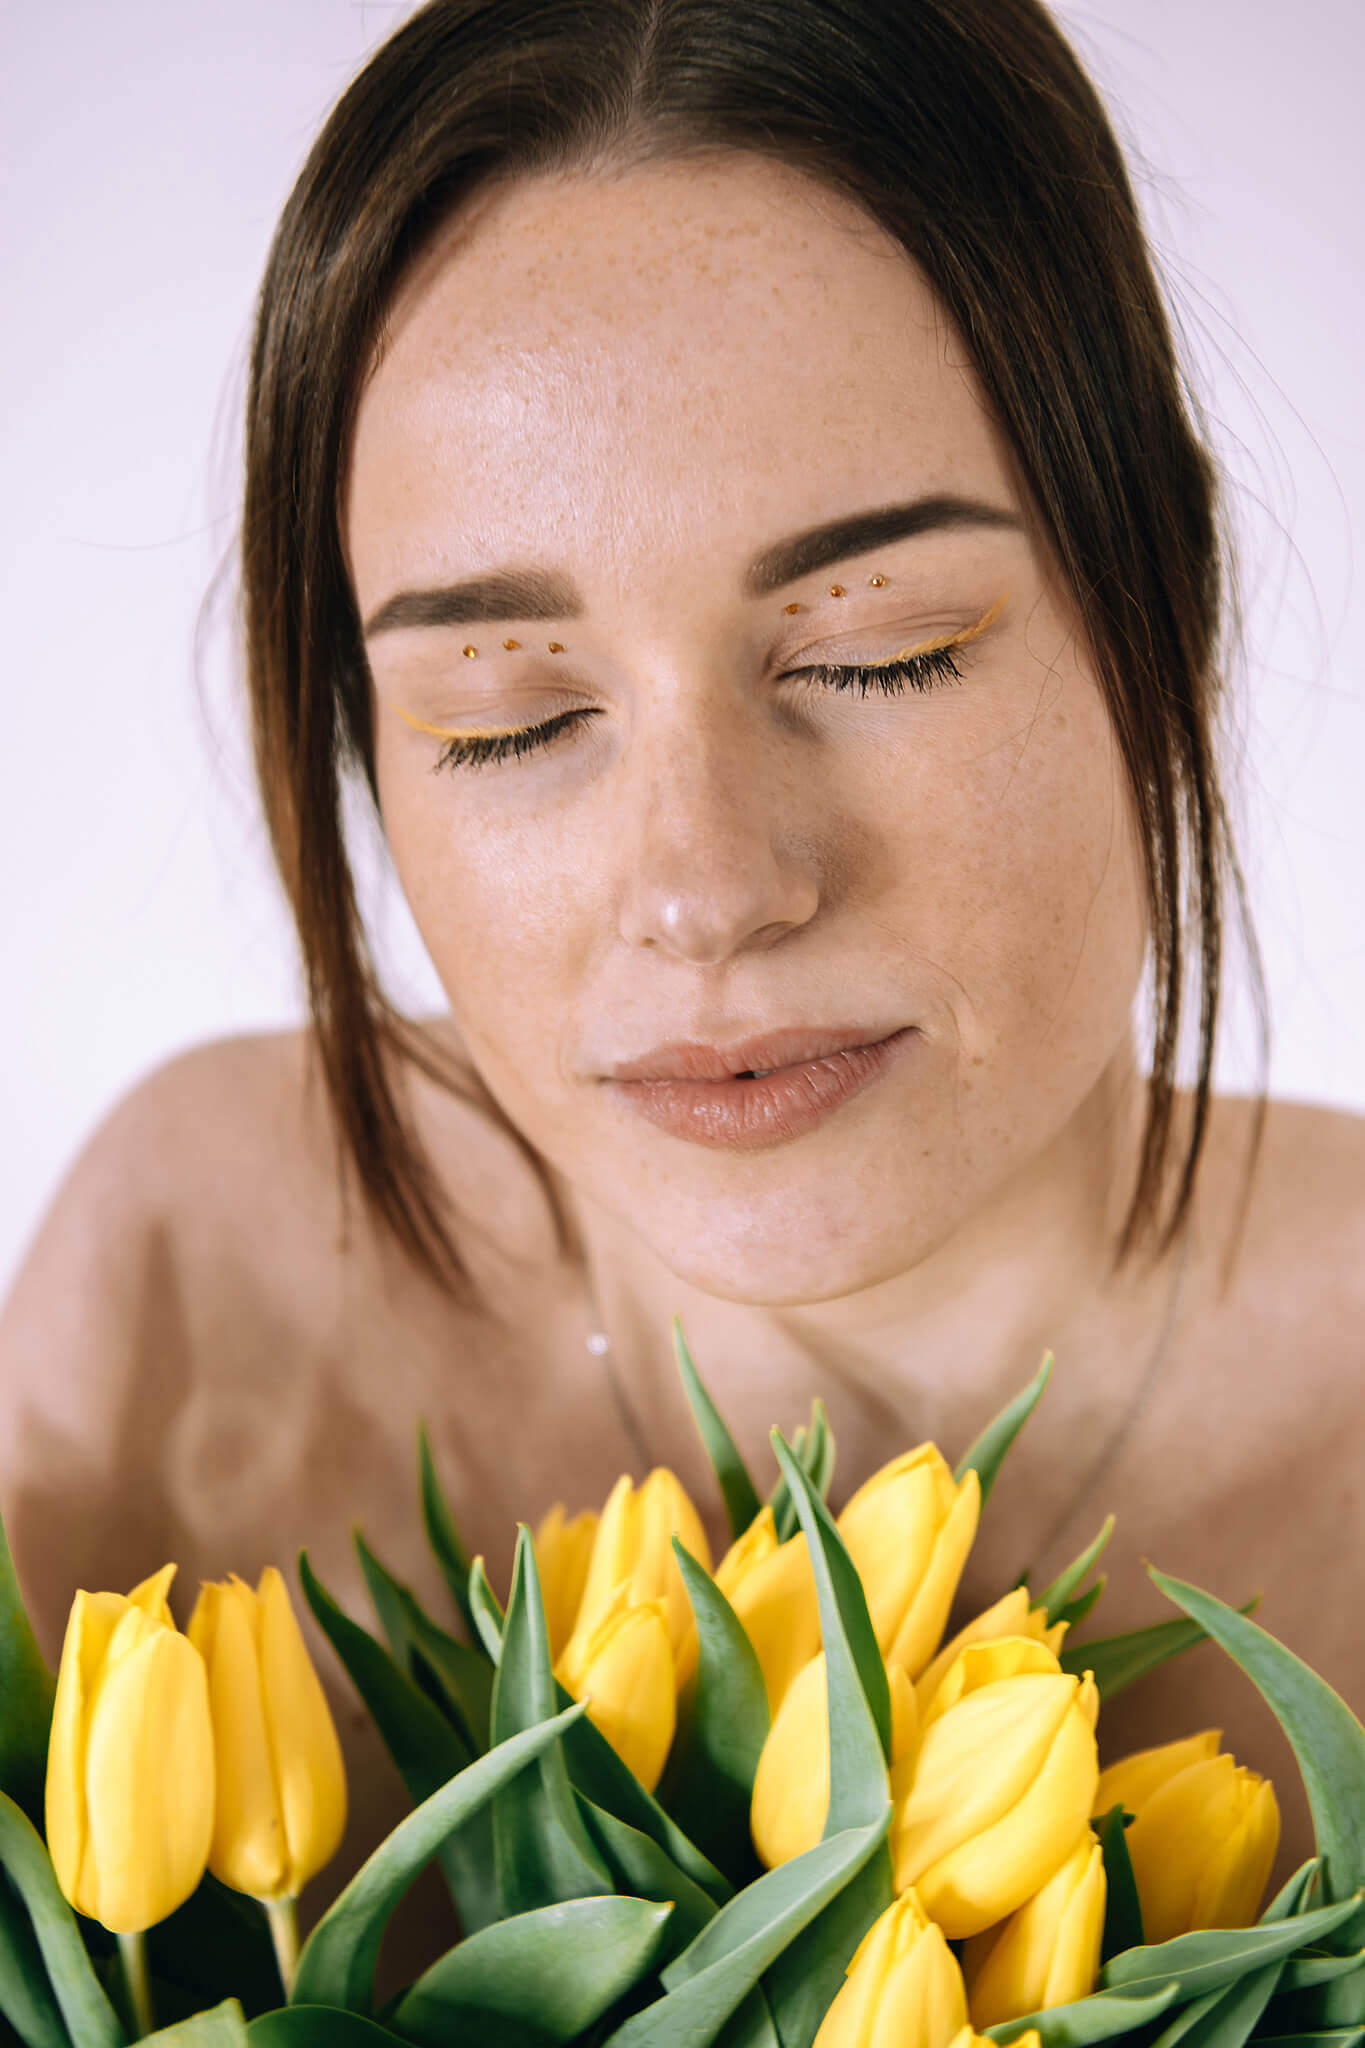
(777,1255)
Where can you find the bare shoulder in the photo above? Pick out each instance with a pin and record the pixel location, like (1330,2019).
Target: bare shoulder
(1299,1263)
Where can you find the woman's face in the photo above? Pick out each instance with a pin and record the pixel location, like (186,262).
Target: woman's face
(637,395)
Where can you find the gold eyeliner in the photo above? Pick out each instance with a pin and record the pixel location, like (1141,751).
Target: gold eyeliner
(944,640)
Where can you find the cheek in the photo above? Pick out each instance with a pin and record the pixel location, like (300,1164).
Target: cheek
(498,906)
(1028,890)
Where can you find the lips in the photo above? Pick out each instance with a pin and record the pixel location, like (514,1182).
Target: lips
(789,1046)
(719,1107)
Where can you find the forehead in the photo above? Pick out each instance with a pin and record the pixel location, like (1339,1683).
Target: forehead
(678,358)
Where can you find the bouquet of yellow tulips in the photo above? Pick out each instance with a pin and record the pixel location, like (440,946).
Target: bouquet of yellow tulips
(764,1805)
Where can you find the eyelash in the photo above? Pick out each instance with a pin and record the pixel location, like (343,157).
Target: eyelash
(916,672)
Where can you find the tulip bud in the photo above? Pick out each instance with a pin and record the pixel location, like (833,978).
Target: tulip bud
(771,1587)
(791,1785)
(903,1988)
(998,1789)
(1133,1779)
(634,1545)
(1204,1840)
(908,1530)
(562,1551)
(623,1667)
(130,1772)
(1048,1953)
(281,1805)
(1010,1616)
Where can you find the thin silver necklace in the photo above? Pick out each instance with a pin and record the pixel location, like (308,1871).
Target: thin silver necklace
(599,1344)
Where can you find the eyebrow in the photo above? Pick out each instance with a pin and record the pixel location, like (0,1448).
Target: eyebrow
(502,595)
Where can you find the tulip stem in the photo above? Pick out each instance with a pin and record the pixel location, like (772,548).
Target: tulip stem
(284,1932)
(133,1949)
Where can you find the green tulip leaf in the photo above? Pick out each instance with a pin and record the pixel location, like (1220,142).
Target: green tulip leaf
(442,1534)
(26,1999)
(1123,1909)
(1225,2018)
(425,1747)
(1293,1894)
(543,1976)
(1323,2037)
(1067,1584)
(458,1678)
(1307,1972)
(750,2025)
(1075,1611)
(27,1688)
(813,1449)
(598,1773)
(712,1779)
(89,2018)
(859,1697)
(315,2026)
(707,1982)
(988,1453)
(224,2027)
(336,1966)
(1103,2016)
(1117,1660)
(542,1853)
(1326,1737)
(486,1610)
(732,1474)
(642,1870)
(806,1978)
(1214,1956)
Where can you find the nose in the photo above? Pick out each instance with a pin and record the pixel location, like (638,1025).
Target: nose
(719,855)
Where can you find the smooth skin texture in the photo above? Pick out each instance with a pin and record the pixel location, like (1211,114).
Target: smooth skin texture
(640,382)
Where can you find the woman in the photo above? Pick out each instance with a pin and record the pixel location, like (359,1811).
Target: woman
(721,478)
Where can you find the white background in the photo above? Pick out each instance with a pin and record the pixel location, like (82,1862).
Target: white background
(149,148)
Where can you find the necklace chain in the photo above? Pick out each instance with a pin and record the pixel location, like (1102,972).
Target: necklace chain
(599,1344)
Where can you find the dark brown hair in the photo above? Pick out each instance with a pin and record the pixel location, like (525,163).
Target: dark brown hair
(970,132)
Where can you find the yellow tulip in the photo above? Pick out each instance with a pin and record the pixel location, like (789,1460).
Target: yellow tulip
(1204,1840)
(624,1668)
(984,1664)
(968,2038)
(998,1789)
(281,1805)
(1048,1953)
(562,1551)
(633,1545)
(1010,1616)
(908,1530)
(791,1785)
(771,1587)
(903,1988)
(130,1774)
(1133,1779)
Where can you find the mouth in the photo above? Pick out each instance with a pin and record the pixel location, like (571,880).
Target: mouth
(750,1102)
(753,1058)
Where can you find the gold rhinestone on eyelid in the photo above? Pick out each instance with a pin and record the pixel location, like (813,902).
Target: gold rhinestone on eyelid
(877,581)
(791,607)
(836,589)
(470,651)
(511,643)
(556,646)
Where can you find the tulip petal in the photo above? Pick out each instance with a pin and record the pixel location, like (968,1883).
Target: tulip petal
(309,1774)
(996,1867)
(149,1776)
(974,1764)
(1132,1781)
(777,1604)
(248,1850)
(923,1622)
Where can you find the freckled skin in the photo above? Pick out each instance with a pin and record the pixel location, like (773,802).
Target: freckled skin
(720,850)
